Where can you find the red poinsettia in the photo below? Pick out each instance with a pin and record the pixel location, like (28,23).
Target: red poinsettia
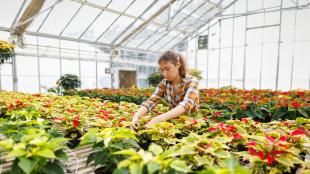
(194,122)
(252,143)
(212,129)
(122,119)
(298,132)
(76,121)
(218,113)
(237,136)
(296,105)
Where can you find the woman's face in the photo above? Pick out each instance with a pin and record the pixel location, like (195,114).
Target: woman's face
(169,70)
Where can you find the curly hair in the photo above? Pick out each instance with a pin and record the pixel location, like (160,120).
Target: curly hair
(175,58)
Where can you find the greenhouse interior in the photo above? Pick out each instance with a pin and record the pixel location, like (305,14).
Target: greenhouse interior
(154,86)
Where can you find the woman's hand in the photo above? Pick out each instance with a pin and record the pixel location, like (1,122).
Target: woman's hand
(135,122)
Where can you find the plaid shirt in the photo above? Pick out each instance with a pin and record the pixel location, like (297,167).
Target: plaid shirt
(186,94)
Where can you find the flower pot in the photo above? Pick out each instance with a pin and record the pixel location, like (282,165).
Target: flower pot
(74,135)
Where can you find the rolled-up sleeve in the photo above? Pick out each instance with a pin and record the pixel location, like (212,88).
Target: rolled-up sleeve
(191,94)
(155,98)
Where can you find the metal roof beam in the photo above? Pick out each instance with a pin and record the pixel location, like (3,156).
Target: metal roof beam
(163,8)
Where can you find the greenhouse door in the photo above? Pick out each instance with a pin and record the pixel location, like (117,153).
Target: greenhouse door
(127,79)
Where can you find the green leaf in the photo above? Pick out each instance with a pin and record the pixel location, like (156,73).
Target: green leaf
(88,138)
(187,149)
(155,149)
(152,167)
(46,153)
(16,153)
(180,166)
(302,112)
(121,171)
(125,133)
(134,168)
(222,154)
(27,165)
(60,154)
(54,167)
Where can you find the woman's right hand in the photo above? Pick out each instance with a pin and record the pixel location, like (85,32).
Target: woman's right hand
(135,122)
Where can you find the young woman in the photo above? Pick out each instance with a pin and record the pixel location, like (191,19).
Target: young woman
(178,87)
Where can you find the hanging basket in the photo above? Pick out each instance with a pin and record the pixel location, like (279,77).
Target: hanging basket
(6,51)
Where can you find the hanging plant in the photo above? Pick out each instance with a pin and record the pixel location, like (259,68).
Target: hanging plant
(69,82)
(6,51)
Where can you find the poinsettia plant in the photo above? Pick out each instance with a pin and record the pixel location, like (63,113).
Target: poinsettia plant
(35,151)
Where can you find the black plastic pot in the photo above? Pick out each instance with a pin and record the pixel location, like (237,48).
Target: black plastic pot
(74,135)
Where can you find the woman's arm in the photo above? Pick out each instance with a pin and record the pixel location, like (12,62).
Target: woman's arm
(187,104)
(135,119)
(175,112)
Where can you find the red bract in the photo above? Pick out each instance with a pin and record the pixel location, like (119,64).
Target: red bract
(277,152)
(231,128)
(261,155)
(270,138)
(298,132)
(11,105)
(237,136)
(301,93)
(244,107)
(246,120)
(122,119)
(75,121)
(212,129)
(252,143)
(296,105)
(270,159)
(218,113)
(251,151)
(283,138)
(194,122)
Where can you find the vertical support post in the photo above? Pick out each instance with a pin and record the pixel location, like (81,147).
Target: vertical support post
(219,64)
(232,47)
(293,54)
(15,85)
(279,47)
(111,68)
(262,48)
(196,52)
(60,62)
(208,54)
(96,68)
(38,59)
(245,46)
(79,56)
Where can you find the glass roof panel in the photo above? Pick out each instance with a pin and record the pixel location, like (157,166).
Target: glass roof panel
(39,19)
(173,42)
(154,9)
(150,41)
(87,14)
(140,36)
(163,17)
(119,5)
(64,11)
(138,7)
(100,25)
(8,11)
(116,29)
(129,30)
(162,41)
